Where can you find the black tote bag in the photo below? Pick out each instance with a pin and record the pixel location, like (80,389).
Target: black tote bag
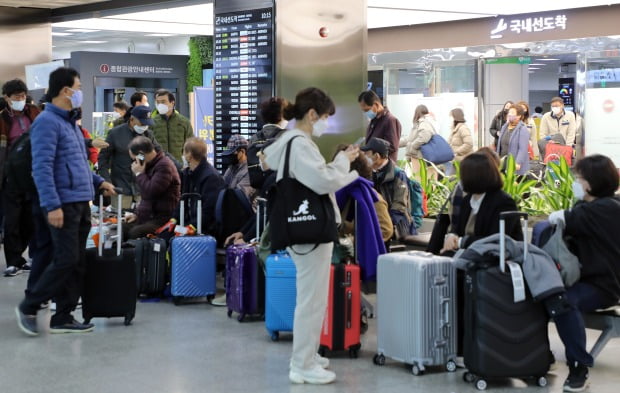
(299,215)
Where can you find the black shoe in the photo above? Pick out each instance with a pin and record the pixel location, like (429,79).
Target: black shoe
(577,380)
(27,323)
(72,327)
(12,271)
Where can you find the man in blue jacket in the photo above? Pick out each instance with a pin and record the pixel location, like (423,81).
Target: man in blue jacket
(65,185)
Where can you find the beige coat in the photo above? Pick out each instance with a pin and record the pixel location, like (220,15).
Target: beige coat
(531,127)
(421,133)
(461,141)
(565,125)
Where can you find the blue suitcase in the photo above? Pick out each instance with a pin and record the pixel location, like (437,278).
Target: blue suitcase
(192,260)
(280,294)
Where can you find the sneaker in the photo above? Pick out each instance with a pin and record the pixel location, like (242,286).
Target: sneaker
(11,271)
(219,301)
(52,306)
(577,380)
(72,327)
(316,375)
(318,359)
(27,323)
(26,267)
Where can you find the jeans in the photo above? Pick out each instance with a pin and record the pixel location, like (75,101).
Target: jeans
(582,297)
(64,277)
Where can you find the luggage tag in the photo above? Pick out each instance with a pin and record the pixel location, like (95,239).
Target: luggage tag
(156,247)
(518,284)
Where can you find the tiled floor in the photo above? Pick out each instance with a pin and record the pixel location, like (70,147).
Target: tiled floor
(196,348)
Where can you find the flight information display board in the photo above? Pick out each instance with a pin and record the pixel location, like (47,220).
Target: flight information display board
(244,74)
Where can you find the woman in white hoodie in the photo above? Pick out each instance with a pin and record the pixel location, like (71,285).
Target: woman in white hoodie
(311,109)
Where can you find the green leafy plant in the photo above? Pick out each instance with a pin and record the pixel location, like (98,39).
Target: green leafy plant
(555,191)
(518,187)
(200,54)
(437,191)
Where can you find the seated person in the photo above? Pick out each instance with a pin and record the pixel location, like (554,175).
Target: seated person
(200,177)
(160,185)
(592,224)
(237,176)
(392,184)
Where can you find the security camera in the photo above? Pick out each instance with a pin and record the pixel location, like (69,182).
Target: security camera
(527,50)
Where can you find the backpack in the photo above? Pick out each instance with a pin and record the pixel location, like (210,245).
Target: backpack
(18,166)
(417,198)
(262,139)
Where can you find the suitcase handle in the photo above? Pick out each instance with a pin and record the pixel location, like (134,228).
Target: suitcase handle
(347,283)
(349,308)
(502,235)
(119,225)
(445,305)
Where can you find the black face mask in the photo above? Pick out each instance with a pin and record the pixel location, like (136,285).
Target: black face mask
(234,159)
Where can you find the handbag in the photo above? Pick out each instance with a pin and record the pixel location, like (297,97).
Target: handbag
(570,269)
(437,150)
(298,215)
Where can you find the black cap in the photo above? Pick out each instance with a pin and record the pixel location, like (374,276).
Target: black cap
(377,145)
(143,114)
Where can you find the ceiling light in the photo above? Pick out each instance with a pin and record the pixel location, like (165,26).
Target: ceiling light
(537,64)
(93,42)
(548,59)
(144,27)
(59,34)
(82,30)
(160,35)
(533,68)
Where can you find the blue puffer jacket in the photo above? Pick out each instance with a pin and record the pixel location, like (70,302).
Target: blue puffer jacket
(59,161)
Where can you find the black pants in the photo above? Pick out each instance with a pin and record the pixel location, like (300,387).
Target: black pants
(41,246)
(17,226)
(135,230)
(63,278)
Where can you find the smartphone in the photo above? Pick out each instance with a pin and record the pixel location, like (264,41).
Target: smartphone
(359,141)
(140,158)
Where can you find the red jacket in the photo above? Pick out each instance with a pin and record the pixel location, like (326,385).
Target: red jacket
(93,153)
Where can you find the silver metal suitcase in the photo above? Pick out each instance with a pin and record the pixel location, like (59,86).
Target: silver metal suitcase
(416,310)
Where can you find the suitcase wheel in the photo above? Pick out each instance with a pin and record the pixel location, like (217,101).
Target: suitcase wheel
(481,384)
(451,366)
(541,381)
(128,319)
(322,350)
(379,359)
(416,370)
(240,317)
(353,353)
(275,336)
(229,313)
(468,377)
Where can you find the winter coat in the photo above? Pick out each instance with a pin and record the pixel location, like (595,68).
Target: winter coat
(6,123)
(160,189)
(368,238)
(518,146)
(308,166)
(237,176)
(565,125)
(172,132)
(386,126)
(392,184)
(421,133)
(115,162)
(496,125)
(461,141)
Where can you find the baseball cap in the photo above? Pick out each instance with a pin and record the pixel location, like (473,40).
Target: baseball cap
(377,145)
(234,143)
(143,114)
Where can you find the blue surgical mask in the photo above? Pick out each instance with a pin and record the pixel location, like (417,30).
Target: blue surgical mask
(76,99)
(578,191)
(370,114)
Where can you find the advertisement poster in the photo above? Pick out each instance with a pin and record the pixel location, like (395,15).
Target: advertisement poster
(203,127)
(602,117)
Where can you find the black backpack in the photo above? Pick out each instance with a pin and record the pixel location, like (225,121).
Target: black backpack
(262,139)
(18,166)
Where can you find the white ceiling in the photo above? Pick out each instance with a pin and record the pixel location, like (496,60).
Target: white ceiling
(45,4)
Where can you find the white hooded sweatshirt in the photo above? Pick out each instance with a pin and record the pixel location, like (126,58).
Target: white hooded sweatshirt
(308,166)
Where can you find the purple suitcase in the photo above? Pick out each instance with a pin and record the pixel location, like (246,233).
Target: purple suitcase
(244,281)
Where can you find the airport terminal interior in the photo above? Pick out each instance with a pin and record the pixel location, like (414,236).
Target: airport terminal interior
(445,55)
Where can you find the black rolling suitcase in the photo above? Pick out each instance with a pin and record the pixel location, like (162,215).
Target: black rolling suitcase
(151,265)
(110,278)
(503,339)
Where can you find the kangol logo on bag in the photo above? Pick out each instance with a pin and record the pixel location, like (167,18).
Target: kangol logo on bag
(302,213)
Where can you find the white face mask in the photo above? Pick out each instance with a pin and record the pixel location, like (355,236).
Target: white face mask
(116,115)
(162,109)
(319,127)
(556,110)
(18,105)
(578,191)
(140,129)
(185,162)
(371,163)
(283,123)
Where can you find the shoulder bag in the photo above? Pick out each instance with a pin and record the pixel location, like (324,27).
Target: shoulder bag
(437,150)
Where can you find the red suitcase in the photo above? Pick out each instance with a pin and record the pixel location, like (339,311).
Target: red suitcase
(342,322)
(553,152)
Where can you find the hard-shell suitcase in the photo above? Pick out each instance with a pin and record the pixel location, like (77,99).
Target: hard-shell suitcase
(192,260)
(110,278)
(151,266)
(342,323)
(280,294)
(416,298)
(503,339)
(245,292)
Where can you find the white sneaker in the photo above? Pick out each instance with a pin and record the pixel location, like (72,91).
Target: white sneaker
(219,301)
(316,376)
(318,359)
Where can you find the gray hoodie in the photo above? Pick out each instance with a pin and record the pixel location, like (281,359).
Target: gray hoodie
(308,166)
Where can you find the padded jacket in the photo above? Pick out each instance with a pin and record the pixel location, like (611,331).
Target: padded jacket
(172,132)
(161,189)
(6,122)
(59,160)
(461,141)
